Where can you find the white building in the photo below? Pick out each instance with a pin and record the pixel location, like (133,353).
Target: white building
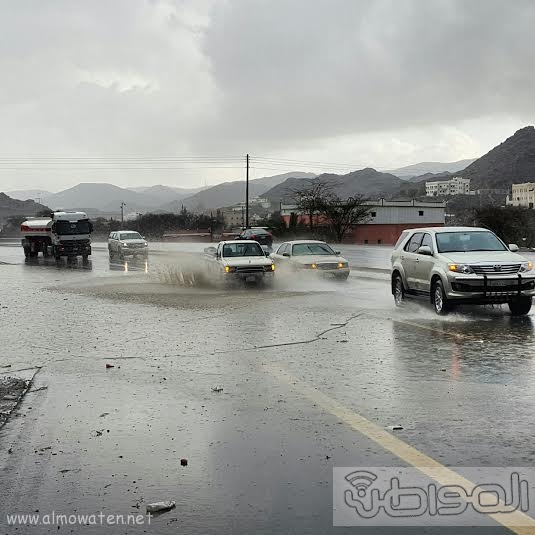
(522,195)
(455,186)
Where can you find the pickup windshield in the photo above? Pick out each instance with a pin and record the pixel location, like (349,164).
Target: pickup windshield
(465,242)
(242,249)
(73,227)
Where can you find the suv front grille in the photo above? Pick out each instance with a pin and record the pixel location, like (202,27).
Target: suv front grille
(494,269)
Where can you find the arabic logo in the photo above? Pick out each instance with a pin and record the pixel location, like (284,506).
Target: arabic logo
(361,480)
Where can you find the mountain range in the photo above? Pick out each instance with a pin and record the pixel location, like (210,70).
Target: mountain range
(512,161)
(368,182)
(424,168)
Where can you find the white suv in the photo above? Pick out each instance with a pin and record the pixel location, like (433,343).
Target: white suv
(453,265)
(125,243)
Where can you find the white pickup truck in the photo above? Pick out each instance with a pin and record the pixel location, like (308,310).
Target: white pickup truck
(232,261)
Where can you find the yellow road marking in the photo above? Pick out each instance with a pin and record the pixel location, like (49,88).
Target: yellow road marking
(517,522)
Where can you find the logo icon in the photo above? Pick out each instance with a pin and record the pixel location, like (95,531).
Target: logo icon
(361,480)
(497,268)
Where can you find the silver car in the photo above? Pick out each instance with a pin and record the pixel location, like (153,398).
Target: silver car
(454,265)
(124,243)
(313,256)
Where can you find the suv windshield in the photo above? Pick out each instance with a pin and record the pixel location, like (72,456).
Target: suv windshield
(302,249)
(130,236)
(450,242)
(73,227)
(242,249)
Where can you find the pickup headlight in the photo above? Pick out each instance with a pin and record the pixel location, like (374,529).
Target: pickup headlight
(342,265)
(269,268)
(460,268)
(526,266)
(230,269)
(313,266)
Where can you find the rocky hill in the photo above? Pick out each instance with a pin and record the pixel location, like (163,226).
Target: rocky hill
(11,207)
(511,162)
(367,182)
(230,193)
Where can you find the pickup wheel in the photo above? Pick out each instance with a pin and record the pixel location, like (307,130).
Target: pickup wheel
(398,290)
(439,299)
(520,306)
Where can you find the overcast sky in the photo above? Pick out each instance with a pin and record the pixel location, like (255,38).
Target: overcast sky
(379,83)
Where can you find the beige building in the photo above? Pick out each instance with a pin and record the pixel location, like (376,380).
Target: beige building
(522,195)
(455,186)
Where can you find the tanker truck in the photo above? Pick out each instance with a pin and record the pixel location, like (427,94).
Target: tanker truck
(62,234)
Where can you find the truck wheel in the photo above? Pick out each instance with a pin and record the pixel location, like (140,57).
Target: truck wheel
(33,254)
(520,306)
(398,291)
(440,301)
(26,252)
(85,259)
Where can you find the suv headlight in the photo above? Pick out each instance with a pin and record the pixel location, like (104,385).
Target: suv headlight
(460,268)
(526,266)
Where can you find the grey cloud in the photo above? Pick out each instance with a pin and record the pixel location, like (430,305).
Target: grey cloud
(301,69)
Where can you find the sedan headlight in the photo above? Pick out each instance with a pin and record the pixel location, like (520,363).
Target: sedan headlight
(526,266)
(460,268)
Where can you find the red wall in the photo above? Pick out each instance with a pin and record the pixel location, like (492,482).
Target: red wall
(380,234)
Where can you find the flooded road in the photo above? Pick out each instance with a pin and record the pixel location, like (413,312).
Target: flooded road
(263,391)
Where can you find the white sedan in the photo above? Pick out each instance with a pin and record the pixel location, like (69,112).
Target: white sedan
(311,255)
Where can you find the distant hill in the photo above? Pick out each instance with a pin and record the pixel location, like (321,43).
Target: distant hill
(25,194)
(512,161)
(367,182)
(165,193)
(423,168)
(229,193)
(11,207)
(104,197)
(431,176)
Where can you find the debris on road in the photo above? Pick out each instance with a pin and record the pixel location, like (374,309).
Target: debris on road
(183,462)
(396,427)
(217,389)
(160,506)
(442,369)
(108,366)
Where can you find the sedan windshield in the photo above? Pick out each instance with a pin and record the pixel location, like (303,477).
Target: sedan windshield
(242,249)
(302,249)
(463,242)
(130,236)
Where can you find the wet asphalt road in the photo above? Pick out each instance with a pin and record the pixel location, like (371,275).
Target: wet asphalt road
(261,451)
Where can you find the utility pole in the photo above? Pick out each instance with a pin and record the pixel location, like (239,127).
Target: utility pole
(247,192)
(122,213)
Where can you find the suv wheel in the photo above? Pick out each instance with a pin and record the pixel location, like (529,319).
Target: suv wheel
(520,306)
(398,291)
(440,301)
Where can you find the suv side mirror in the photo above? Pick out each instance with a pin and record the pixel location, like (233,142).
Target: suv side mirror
(337,253)
(425,250)
(513,247)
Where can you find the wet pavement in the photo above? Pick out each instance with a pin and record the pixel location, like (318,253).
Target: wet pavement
(236,382)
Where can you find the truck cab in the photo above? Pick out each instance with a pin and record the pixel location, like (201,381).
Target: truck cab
(63,234)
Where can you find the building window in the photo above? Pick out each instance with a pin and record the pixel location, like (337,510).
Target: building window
(365,242)
(379,242)
(374,214)
(420,213)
